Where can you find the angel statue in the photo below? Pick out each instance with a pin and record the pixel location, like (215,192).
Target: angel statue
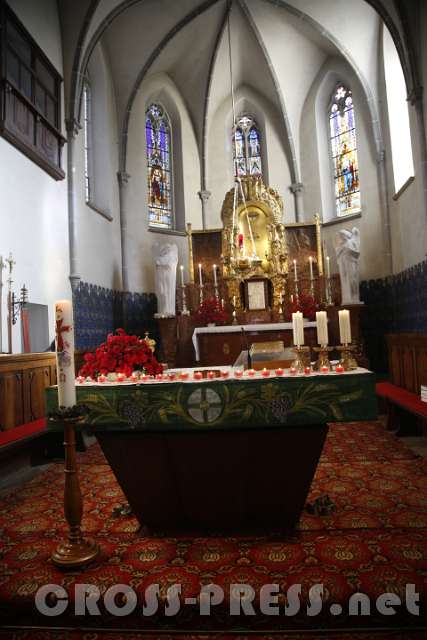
(347,249)
(166,260)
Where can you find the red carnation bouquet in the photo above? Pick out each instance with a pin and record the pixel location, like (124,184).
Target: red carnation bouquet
(210,311)
(304,303)
(121,353)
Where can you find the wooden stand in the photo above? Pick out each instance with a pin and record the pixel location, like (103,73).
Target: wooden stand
(76,551)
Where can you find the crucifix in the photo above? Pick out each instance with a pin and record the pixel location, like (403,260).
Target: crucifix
(2,266)
(11,262)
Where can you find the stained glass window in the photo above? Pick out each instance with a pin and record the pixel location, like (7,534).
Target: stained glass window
(344,152)
(159,175)
(246,147)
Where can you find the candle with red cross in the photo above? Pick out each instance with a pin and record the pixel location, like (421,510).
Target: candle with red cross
(64,340)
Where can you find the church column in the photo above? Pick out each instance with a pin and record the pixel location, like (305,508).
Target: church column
(72,127)
(204,196)
(382,174)
(296,189)
(123,179)
(416,100)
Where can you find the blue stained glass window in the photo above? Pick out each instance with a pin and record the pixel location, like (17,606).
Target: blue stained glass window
(158,135)
(246,147)
(342,129)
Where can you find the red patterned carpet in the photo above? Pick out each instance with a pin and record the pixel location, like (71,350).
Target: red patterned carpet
(374,543)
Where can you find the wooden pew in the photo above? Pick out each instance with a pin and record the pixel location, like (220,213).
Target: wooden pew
(408,371)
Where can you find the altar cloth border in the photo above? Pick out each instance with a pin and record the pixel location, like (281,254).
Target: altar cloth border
(226,404)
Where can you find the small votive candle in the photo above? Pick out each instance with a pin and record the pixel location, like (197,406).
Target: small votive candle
(251,373)
(171,376)
(211,375)
(279,371)
(339,368)
(144,377)
(265,373)
(81,379)
(307,371)
(121,377)
(102,378)
(293,371)
(324,369)
(159,376)
(238,373)
(198,375)
(225,374)
(134,377)
(184,375)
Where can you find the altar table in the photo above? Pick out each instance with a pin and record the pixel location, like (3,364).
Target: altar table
(220,455)
(219,344)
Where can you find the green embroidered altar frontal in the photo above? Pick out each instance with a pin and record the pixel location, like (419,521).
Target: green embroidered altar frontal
(225,404)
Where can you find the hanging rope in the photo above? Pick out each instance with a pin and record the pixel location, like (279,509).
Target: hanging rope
(237,179)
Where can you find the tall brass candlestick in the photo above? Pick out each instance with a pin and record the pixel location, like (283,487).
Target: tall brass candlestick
(347,359)
(323,358)
(302,359)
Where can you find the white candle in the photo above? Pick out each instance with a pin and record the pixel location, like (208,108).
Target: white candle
(200,275)
(295,270)
(310,261)
(64,331)
(222,303)
(298,328)
(234,301)
(281,298)
(214,275)
(182,275)
(322,328)
(345,327)
(328,267)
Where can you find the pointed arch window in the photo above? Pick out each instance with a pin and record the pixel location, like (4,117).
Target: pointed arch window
(247,147)
(342,129)
(159,170)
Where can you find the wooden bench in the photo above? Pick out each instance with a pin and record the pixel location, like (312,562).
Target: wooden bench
(22,438)
(408,371)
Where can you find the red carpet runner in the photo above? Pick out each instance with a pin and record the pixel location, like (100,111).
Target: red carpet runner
(374,543)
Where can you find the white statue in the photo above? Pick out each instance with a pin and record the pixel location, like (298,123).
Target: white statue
(166,260)
(347,248)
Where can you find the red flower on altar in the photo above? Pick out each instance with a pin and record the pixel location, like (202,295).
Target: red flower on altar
(305,303)
(210,311)
(121,353)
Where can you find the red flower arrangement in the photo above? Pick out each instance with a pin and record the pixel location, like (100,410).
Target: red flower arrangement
(305,303)
(121,353)
(211,311)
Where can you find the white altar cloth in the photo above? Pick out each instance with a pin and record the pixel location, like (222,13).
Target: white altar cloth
(237,328)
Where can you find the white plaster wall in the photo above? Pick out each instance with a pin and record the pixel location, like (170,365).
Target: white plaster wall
(186,168)
(220,153)
(33,206)
(98,247)
(317,171)
(408,217)
(295,59)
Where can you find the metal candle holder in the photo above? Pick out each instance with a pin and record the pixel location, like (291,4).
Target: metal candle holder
(328,292)
(296,288)
(201,286)
(302,359)
(184,310)
(347,360)
(323,357)
(234,316)
(216,292)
